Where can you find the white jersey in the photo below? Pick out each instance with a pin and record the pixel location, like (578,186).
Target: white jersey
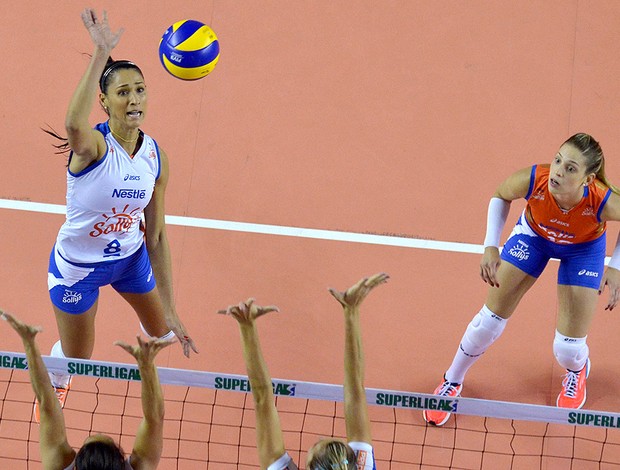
(105,203)
(364,455)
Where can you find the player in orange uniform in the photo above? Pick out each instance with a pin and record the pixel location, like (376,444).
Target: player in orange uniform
(568,205)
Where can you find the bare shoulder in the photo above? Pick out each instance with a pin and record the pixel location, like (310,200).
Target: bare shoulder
(516,185)
(611,211)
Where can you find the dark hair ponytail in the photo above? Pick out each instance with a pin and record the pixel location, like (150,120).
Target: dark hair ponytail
(62,148)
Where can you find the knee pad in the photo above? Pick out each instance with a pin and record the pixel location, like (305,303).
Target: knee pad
(168,336)
(481,332)
(571,353)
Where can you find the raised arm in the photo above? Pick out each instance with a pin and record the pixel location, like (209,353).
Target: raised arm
(87,144)
(355,406)
(56,453)
(269,437)
(149,441)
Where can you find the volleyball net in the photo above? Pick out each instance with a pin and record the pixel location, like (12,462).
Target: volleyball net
(210,422)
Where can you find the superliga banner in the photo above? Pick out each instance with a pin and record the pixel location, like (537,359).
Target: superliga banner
(323,391)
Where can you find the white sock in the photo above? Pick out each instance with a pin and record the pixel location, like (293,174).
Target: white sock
(168,336)
(571,353)
(481,332)
(59,380)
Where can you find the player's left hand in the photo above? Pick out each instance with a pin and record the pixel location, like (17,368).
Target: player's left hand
(355,294)
(611,279)
(144,351)
(178,329)
(248,311)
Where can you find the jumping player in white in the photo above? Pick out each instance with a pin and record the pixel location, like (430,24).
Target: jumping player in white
(116,176)
(328,453)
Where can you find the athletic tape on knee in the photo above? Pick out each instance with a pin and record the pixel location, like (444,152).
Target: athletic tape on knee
(481,332)
(571,353)
(168,336)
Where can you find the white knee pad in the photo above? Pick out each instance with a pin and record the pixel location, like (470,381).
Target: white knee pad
(481,332)
(168,336)
(571,353)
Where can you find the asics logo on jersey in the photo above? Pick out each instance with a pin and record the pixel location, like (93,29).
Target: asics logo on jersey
(585,272)
(129,193)
(119,222)
(520,251)
(129,177)
(71,297)
(559,222)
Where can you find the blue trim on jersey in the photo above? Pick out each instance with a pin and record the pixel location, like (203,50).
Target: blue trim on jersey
(103,127)
(532,178)
(600,208)
(158,159)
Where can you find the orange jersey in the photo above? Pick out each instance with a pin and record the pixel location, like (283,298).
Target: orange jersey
(580,224)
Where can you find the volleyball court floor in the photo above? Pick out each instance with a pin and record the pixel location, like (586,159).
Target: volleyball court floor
(296,145)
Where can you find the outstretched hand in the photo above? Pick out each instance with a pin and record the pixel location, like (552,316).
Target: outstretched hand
(611,279)
(180,332)
(355,295)
(145,351)
(489,265)
(100,31)
(246,312)
(25,331)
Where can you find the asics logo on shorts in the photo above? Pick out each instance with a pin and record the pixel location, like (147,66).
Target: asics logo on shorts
(520,251)
(71,297)
(585,272)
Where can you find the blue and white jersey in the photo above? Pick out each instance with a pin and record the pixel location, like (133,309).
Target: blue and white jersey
(105,203)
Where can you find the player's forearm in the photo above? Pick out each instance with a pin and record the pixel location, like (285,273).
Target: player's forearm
(355,406)
(260,381)
(353,357)
(152,395)
(81,102)
(161,262)
(39,377)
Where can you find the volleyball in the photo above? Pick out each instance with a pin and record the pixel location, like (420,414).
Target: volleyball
(189,50)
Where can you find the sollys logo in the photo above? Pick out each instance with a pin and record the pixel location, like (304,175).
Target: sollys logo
(520,251)
(71,297)
(117,222)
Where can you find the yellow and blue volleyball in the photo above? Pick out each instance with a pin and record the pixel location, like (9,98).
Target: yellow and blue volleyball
(189,50)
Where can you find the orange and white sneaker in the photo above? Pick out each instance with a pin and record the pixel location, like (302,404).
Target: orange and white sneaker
(445,389)
(573,394)
(61,394)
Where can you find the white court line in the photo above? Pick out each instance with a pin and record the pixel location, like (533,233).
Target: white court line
(281,230)
(214,224)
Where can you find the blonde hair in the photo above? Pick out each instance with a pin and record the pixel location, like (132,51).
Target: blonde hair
(593,153)
(331,455)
